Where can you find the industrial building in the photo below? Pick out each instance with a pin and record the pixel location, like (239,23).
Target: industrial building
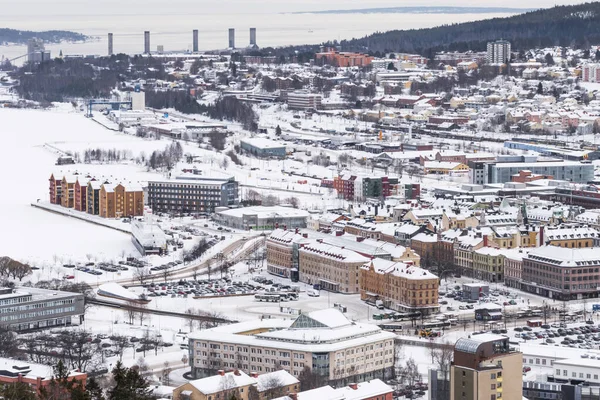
(36,52)
(263,148)
(147,42)
(195,40)
(192,196)
(24,308)
(110,44)
(332,346)
(231,38)
(262,218)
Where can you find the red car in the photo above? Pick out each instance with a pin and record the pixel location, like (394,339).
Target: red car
(69,277)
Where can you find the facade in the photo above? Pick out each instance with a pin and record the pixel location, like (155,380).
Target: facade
(263,218)
(192,195)
(343,59)
(561,273)
(67,198)
(55,189)
(488,264)
(401,287)
(339,350)
(569,237)
(118,201)
(24,309)
(80,194)
(282,251)
(374,389)
(498,52)
(571,171)
(590,72)
(263,148)
(513,267)
(333,268)
(93,197)
(303,100)
(485,367)
(37,376)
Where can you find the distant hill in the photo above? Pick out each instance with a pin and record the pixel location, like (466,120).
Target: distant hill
(577,26)
(423,10)
(15,36)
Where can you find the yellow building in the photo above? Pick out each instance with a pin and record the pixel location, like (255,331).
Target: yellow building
(485,367)
(444,167)
(400,286)
(570,237)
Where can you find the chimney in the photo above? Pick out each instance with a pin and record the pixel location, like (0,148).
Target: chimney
(353,386)
(253,374)
(221,372)
(485,241)
(541,236)
(236,372)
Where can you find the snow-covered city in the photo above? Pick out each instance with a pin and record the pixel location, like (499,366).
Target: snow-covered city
(338,224)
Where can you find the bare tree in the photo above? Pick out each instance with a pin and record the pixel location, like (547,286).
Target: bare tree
(271,387)
(141,275)
(131,311)
(121,343)
(165,374)
(443,359)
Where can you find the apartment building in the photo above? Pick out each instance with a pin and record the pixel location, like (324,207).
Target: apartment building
(117,201)
(37,376)
(339,350)
(80,194)
(67,197)
(401,287)
(333,268)
(55,189)
(485,367)
(192,196)
(343,59)
(93,197)
(569,236)
(488,264)
(282,251)
(562,273)
(498,52)
(590,72)
(513,267)
(25,308)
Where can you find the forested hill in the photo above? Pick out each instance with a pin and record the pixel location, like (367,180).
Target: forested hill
(577,25)
(14,36)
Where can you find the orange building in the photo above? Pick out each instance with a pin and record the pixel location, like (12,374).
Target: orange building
(80,195)
(343,59)
(55,189)
(118,201)
(67,198)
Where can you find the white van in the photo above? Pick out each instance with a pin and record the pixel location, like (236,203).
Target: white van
(313,293)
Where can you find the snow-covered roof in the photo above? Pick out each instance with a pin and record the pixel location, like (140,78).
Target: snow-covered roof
(265,212)
(113,289)
(11,367)
(365,390)
(399,269)
(218,383)
(282,377)
(565,257)
(332,252)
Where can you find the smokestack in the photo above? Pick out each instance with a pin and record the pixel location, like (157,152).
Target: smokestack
(110,44)
(195,41)
(231,38)
(147,42)
(252,37)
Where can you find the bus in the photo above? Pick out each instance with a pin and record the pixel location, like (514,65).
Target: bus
(267,297)
(436,324)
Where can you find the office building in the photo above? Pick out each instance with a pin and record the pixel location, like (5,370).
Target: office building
(263,148)
(253,37)
(147,42)
(231,38)
(401,287)
(110,44)
(485,367)
(25,308)
(303,100)
(503,172)
(498,52)
(195,41)
(192,196)
(561,273)
(262,218)
(332,346)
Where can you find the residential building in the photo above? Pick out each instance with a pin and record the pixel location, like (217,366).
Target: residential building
(513,267)
(498,52)
(303,100)
(55,189)
(488,264)
(37,376)
(223,385)
(118,201)
(401,287)
(80,194)
(343,59)
(569,236)
(333,268)
(67,197)
(93,197)
(192,196)
(263,218)
(485,367)
(590,72)
(562,273)
(263,148)
(23,309)
(332,346)
(282,251)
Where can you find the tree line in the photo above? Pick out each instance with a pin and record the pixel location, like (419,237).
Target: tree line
(102,155)
(166,158)
(15,36)
(12,268)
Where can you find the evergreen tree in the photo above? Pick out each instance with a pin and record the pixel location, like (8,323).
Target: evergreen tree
(129,384)
(61,387)
(278,131)
(540,88)
(17,391)
(549,59)
(598,55)
(93,390)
